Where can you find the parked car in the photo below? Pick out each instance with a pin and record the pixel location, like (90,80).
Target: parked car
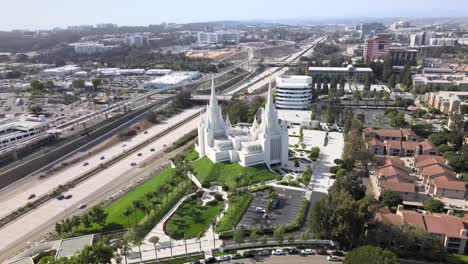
(322,251)
(337,253)
(195,262)
(237,256)
(210,260)
(306,251)
(81,206)
(249,254)
(278,252)
(260,210)
(293,251)
(222,258)
(333,176)
(31,196)
(263,253)
(333,258)
(60,197)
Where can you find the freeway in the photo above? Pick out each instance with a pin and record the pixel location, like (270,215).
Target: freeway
(104,184)
(262,79)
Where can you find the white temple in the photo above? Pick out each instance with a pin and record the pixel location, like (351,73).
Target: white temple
(266,141)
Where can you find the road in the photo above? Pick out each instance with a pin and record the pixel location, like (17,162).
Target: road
(114,179)
(296,259)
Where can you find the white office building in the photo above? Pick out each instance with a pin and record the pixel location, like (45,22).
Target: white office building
(61,71)
(265,142)
(89,48)
(350,72)
(219,37)
(293,92)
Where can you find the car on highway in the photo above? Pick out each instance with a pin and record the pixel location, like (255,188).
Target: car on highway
(132,164)
(306,251)
(81,206)
(31,196)
(60,197)
(152,149)
(333,258)
(278,252)
(103,157)
(68,196)
(85,164)
(264,253)
(146,132)
(139,154)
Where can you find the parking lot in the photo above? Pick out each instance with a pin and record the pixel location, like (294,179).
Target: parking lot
(289,204)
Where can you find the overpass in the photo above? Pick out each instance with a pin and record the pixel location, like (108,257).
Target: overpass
(206,98)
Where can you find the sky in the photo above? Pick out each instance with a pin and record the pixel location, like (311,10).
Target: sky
(46,14)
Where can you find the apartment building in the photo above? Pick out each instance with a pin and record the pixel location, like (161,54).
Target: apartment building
(451,230)
(391,174)
(445,101)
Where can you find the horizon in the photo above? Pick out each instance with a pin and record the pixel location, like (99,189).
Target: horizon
(49,14)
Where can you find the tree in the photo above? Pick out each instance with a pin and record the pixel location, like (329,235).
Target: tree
(391,198)
(438,138)
(98,215)
(434,206)
(36,109)
(78,83)
(85,219)
(278,234)
(370,255)
(96,83)
(253,236)
(49,84)
(367,84)
(391,82)
(239,236)
(314,153)
(37,85)
(96,253)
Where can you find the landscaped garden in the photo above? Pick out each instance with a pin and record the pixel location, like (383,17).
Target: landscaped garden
(232,174)
(238,204)
(192,218)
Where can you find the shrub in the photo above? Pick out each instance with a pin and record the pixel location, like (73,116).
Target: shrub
(334,169)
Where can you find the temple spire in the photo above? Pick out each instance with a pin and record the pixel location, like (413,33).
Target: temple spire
(213,100)
(270,112)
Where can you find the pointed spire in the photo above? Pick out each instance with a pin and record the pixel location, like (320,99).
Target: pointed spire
(228,122)
(213,99)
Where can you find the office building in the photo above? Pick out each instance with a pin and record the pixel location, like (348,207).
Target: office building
(89,48)
(421,39)
(377,47)
(293,92)
(218,37)
(265,142)
(403,55)
(137,40)
(350,72)
(432,63)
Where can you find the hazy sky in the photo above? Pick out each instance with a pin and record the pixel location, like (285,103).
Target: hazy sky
(36,14)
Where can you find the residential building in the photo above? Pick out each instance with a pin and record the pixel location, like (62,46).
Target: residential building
(392,175)
(445,101)
(397,142)
(350,72)
(438,177)
(403,55)
(377,47)
(451,230)
(293,92)
(265,142)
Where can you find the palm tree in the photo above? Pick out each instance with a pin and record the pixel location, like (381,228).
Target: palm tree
(127,214)
(139,243)
(154,240)
(125,249)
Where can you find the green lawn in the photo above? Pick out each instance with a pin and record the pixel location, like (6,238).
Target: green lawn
(116,208)
(238,204)
(457,259)
(208,171)
(191,219)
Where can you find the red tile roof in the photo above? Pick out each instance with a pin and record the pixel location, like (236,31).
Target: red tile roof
(437,169)
(427,145)
(399,186)
(448,183)
(427,160)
